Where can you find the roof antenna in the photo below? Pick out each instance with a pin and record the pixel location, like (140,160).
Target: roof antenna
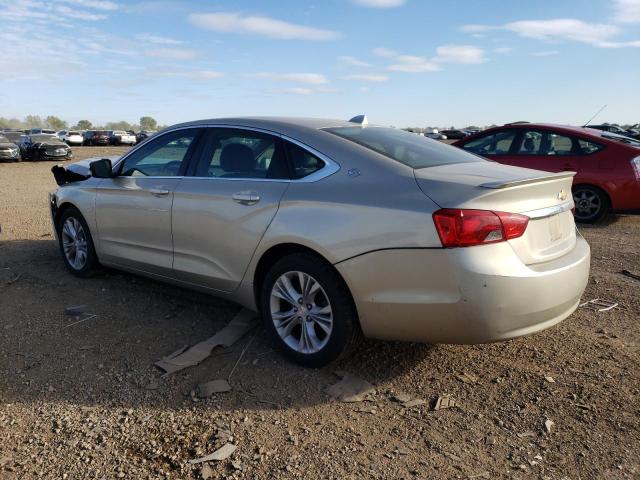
(597,113)
(361,119)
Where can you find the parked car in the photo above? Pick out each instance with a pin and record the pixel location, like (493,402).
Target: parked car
(143,135)
(454,134)
(286,217)
(434,134)
(9,151)
(13,136)
(120,137)
(40,131)
(72,137)
(607,165)
(95,138)
(44,147)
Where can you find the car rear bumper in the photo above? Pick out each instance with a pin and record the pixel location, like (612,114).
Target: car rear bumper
(465,295)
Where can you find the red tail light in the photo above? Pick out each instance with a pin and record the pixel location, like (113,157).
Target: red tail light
(465,228)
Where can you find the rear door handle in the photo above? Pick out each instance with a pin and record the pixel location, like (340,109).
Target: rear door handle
(246,197)
(158,192)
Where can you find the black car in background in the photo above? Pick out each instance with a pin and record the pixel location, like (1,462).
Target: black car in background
(44,147)
(94,138)
(454,134)
(9,151)
(142,135)
(614,129)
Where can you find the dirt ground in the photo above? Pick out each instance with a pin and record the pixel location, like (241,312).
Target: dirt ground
(84,400)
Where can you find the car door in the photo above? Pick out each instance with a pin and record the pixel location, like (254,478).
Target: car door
(133,209)
(224,206)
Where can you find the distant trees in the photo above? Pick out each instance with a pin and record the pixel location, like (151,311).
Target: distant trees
(83,125)
(148,123)
(55,123)
(121,125)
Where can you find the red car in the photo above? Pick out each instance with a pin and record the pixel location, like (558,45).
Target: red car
(607,165)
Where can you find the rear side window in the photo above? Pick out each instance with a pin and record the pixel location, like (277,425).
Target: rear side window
(304,163)
(498,143)
(587,148)
(413,150)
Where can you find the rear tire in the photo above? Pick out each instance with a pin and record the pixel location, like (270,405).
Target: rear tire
(76,243)
(308,310)
(592,203)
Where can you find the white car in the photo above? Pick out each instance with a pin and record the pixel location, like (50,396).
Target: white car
(434,134)
(120,137)
(71,137)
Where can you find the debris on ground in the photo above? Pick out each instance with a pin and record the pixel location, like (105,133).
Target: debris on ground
(401,397)
(222,453)
(207,472)
(82,320)
(549,379)
(214,386)
(599,304)
(414,403)
(444,402)
(350,389)
(467,378)
(548,425)
(75,311)
(244,321)
(629,274)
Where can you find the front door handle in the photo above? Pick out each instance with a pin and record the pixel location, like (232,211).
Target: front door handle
(158,192)
(246,197)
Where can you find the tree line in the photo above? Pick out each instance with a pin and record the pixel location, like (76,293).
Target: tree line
(55,123)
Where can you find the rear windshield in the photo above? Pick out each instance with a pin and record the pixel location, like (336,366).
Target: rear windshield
(411,149)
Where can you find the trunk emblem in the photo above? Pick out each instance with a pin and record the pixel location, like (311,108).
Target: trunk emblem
(562,195)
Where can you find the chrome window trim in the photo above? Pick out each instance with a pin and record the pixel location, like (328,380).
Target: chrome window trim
(549,211)
(329,168)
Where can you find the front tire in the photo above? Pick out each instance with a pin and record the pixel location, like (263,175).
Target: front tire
(308,310)
(592,204)
(76,243)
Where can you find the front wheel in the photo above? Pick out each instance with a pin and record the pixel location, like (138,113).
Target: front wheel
(308,310)
(592,204)
(76,244)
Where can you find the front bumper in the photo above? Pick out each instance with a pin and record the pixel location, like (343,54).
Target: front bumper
(464,295)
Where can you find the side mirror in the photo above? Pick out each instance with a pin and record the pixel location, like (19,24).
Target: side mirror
(101,168)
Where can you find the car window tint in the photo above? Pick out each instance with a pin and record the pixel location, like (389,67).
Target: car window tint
(304,163)
(498,143)
(530,143)
(163,157)
(587,148)
(236,153)
(559,145)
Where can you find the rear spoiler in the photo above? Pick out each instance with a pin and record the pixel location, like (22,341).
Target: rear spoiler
(525,181)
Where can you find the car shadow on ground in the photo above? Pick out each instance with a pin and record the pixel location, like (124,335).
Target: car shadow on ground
(106,355)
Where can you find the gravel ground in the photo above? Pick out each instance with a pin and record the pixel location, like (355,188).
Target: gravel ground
(83,400)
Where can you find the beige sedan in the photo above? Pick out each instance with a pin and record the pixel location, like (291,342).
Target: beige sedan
(331,229)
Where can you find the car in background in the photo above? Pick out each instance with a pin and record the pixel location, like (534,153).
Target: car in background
(143,135)
(96,138)
(44,147)
(454,134)
(457,250)
(120,137)
(611,129)
(607,165)
(13,136)
(72,137)
(434,134)
(9,151)
(40,131)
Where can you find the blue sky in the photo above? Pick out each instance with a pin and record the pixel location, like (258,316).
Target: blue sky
(404,63)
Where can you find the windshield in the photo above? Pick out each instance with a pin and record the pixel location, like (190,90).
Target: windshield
(4,139)
(413,150)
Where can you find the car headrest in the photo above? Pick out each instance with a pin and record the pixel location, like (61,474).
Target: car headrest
(236,157)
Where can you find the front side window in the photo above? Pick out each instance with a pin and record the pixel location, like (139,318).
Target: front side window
(237,153)
(164,157)
(498,143)
(413,150)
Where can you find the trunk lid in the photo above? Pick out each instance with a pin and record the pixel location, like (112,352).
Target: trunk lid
(544,197)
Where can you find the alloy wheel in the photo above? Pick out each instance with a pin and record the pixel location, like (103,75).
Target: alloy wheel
(74,243)
(301,312)
(588,203)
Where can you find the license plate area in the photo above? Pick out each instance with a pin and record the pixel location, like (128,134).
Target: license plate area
(555,228)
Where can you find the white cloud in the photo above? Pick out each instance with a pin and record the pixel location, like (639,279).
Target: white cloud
(304,90)
(75,14)
(545,53)
(376,78)
(379,3)
(172,71)
(353,61)
(627,11)
(171,53)
(306,78)
(228,22)
(503,50)
(459,54)
(95,4)
(413,64)
(562,29)
(149,38)
(384,52)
